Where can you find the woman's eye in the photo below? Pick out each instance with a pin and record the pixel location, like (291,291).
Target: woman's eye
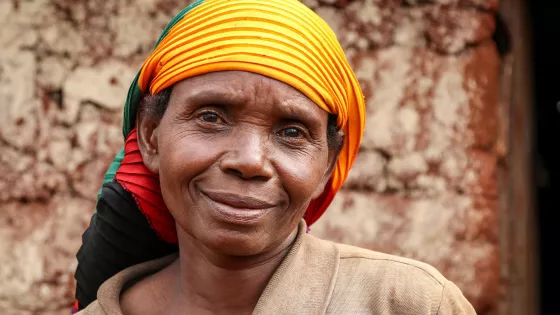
(210,117)
(292,133)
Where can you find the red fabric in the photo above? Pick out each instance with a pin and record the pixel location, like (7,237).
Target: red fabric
(315,210)
(75,307)
(135,177)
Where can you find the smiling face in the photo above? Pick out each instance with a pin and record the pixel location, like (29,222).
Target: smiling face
(239,156)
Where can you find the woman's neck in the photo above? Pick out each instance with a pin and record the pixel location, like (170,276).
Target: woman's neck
(204,282)
(222,283)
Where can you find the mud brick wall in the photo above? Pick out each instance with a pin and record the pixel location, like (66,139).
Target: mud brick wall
(424,185)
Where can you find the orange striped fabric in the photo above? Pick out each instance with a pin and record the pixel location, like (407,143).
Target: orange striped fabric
(281,39)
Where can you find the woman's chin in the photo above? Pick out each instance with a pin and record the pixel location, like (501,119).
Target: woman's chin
(235,243)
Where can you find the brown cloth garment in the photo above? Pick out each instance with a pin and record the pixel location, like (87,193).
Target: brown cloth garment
(321,277)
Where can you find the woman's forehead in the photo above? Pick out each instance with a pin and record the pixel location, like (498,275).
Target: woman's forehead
(242,88)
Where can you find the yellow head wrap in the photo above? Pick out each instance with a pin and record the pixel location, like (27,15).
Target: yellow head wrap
(281,39)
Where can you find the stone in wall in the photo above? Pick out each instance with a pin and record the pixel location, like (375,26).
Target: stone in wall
(423,186)
(39,241)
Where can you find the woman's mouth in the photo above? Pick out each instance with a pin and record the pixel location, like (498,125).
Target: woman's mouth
(235,208)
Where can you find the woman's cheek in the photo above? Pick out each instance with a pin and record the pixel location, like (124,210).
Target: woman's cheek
(301,173)
(181,160)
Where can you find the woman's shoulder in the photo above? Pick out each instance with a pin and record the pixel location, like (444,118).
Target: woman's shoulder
(393,284)
(368,261)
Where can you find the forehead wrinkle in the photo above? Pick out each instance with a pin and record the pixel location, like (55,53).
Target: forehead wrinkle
(297,105)
(207,87)
(239,89)
(283,99)
(259,87)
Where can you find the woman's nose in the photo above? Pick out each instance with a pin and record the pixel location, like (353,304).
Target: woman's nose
(248,157)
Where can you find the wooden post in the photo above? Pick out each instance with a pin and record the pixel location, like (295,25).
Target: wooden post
(518,222)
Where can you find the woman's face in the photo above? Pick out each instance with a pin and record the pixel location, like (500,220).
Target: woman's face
(240,156)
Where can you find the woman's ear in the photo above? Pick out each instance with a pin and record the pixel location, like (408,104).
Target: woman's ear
(147,128)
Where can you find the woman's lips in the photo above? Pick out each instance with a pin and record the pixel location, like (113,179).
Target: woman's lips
(237,208)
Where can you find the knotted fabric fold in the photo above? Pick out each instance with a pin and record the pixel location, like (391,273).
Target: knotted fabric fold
(144,187)
(280,39)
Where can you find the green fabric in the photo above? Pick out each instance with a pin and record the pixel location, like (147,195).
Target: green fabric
(110,174)
(135,96)
(134,93)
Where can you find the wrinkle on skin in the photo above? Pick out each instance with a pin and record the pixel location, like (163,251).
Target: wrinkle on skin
(225,264)
(251,107)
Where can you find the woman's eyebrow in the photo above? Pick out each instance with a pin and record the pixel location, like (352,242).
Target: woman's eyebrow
(213,94)
(300,109)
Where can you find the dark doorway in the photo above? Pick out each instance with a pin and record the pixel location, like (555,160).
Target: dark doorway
(545,20)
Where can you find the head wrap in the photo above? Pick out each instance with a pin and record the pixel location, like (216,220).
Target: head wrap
(280,39)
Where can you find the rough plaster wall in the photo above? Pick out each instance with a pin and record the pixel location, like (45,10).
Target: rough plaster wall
(424,184)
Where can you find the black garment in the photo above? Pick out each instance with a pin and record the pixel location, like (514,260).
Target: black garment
(119,236)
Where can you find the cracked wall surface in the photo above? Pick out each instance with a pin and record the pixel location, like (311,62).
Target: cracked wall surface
(424,184)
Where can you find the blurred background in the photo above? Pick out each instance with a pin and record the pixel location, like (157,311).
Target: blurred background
(457,167)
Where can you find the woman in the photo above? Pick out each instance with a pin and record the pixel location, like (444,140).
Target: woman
(241,127)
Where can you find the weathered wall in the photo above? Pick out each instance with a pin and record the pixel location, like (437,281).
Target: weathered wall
(424,184)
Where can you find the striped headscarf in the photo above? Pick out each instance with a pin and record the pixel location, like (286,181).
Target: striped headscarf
(281,39)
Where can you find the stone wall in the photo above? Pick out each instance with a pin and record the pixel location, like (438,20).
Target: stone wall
(424,184)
